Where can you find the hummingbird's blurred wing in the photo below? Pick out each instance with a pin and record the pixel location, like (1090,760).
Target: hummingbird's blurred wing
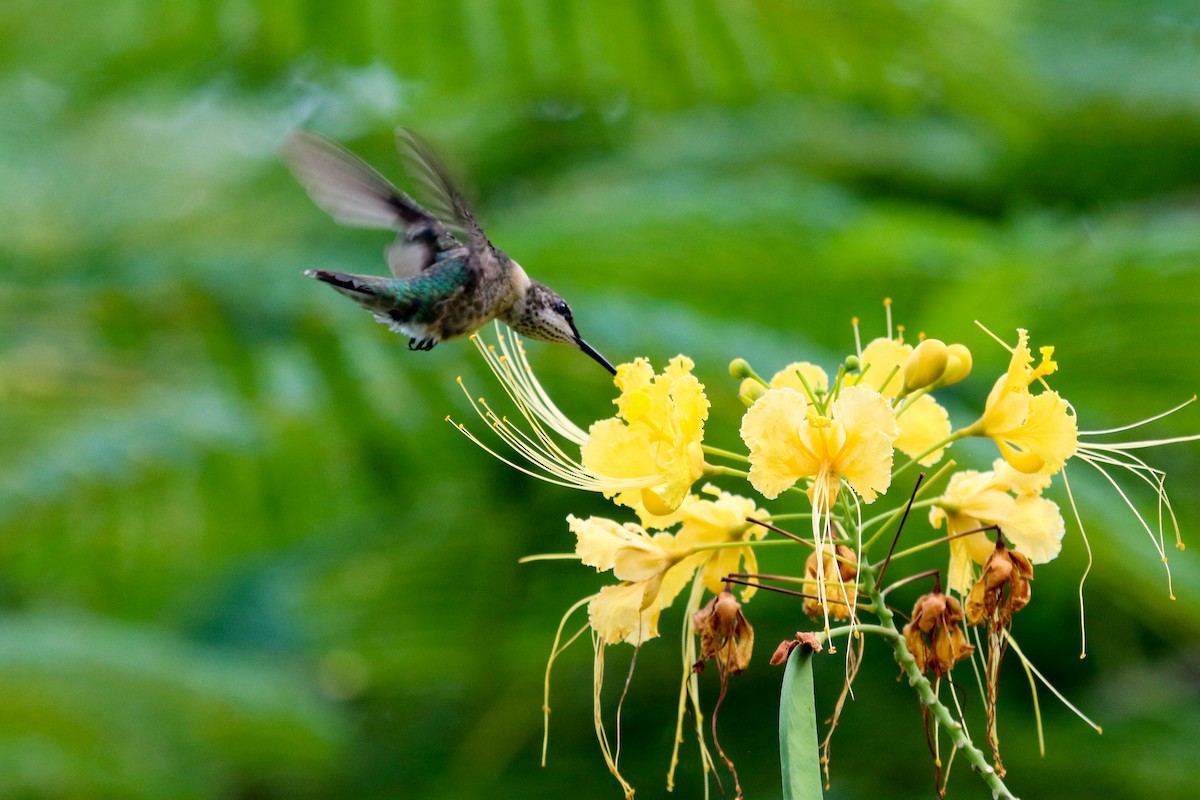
(443,198)
(354,194)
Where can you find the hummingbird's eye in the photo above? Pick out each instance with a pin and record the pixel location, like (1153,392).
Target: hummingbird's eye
(562,309)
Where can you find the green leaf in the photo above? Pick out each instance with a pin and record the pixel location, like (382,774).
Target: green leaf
(798,753)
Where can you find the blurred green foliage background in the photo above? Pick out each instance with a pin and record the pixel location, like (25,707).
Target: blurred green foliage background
(243,556)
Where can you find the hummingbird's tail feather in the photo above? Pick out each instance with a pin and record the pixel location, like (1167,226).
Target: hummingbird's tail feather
(345,282)
(378,296)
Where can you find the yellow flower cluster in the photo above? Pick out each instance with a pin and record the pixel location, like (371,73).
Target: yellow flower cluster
(840,442)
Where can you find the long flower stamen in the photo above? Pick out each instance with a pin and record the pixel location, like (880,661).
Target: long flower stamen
(515,374)
(546,425)
(1154,539)
(1146,421)
(555,466)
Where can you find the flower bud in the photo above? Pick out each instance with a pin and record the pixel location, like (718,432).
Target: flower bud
(958,364)
(740,368)
(925,364)
(750,391)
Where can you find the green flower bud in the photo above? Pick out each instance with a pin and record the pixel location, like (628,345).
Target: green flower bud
(740,368)
(925,364)
(852,363)
(750,391)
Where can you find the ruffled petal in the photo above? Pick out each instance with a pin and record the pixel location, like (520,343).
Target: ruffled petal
(923,424)
(770,430)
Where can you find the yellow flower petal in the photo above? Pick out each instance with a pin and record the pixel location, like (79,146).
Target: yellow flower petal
(923,424)
(597,540)
(630,552)
(975,495)
(617,615)
(1017,482)
(719,521)
(883,361)
(1035,529)
(770,429)
(865,460)
(788,378)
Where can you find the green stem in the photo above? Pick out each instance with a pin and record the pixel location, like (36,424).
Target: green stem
(715,469)
(917,680)
(703,548)
(709,450)
(917,548)
(895,512)
(795,515)
(846,630)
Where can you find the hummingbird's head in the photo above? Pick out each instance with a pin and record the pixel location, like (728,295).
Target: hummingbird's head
(541,314)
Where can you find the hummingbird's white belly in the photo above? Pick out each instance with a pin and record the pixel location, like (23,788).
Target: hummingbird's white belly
(410,329)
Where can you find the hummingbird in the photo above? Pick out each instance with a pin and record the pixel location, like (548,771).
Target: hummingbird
(447,279)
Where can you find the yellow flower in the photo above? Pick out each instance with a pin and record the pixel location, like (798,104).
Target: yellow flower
(655,438)
(1035,433)
(655,568)
(789,440)
(1033,524)
(647,459)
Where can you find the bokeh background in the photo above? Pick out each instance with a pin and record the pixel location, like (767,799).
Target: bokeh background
(242,555)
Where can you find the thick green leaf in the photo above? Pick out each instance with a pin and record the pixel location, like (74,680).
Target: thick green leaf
(799,755)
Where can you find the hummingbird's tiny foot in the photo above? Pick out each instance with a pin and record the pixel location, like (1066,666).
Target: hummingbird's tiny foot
(422,344)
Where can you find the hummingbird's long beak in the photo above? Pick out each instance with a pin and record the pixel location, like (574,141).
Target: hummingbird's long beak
(591,351)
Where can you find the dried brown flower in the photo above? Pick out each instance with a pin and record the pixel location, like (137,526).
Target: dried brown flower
(1002,589)
(780,656)
(935,636)
(725,635)
(839,568)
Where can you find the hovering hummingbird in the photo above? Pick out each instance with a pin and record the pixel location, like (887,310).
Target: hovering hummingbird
(447,279)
